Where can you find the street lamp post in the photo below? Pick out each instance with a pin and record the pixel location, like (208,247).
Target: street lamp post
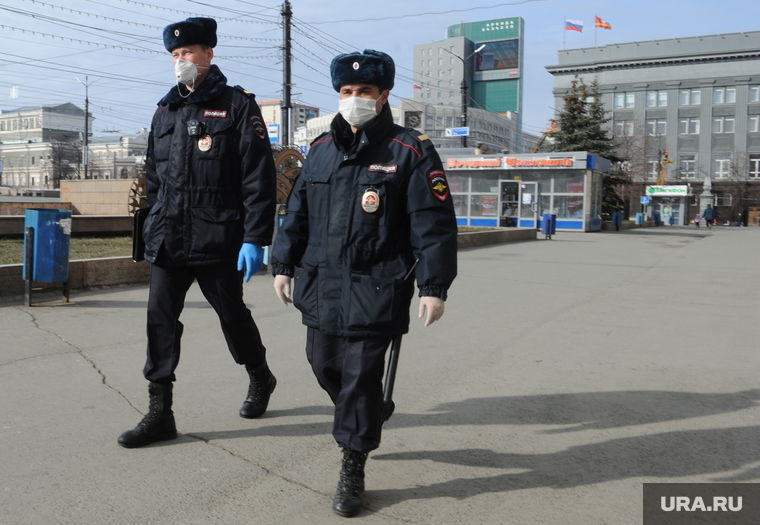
(464,89)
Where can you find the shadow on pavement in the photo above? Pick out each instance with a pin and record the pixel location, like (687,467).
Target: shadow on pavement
(665,455)
(582,411)
(567,412)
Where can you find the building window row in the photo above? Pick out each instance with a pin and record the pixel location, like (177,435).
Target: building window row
(689,97)
(723,125)
(722,166)
(429,51)
(624,100)
(687,164)
(688,126)
(656,126)
(686,97)
(18,123)
(657,98)
(429,63)
(623,128)
(724,95)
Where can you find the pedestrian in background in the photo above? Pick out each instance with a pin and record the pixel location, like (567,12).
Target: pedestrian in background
(697,218)
(709,216)
(370,211)
(211,192)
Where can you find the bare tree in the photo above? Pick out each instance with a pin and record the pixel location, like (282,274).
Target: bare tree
(65,159)
(743,194)
(638,149)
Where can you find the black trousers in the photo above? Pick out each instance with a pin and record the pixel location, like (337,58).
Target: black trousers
(222,286)
(351,370)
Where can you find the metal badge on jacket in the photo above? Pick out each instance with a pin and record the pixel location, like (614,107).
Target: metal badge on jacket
(370,200)
(204,143)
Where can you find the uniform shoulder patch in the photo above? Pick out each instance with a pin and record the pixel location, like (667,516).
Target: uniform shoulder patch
(259,128)
(424,139)
(438,184)
(248,93)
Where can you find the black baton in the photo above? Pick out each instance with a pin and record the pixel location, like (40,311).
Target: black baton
(390,376)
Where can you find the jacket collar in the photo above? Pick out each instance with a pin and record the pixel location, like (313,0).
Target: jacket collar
(375,131)
(211,87)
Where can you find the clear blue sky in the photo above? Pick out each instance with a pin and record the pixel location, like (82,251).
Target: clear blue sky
(121,52)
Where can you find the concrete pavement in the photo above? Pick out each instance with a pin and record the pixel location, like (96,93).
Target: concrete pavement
(563,376)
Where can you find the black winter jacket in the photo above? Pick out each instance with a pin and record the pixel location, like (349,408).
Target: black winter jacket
(212,191)
(349,265)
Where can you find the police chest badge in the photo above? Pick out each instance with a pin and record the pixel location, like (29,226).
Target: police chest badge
(204,143)
(370,200)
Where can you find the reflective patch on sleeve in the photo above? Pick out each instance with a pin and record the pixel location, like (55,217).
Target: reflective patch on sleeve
(438,184)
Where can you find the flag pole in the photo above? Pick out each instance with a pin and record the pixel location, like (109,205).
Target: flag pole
(564,33)
(595,30)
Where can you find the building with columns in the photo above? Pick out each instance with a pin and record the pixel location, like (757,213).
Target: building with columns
(696,98)
(41,145)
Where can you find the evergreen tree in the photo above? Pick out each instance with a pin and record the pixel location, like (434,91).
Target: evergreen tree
(581,128)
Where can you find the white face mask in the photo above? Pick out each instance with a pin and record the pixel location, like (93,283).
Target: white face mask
(358,110)
(186,71)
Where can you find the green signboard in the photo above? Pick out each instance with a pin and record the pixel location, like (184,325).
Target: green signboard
(485,30)
(668,191)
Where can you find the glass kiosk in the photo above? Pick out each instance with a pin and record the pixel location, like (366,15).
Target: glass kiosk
(517,190)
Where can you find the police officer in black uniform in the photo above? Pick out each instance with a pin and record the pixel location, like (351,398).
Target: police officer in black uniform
(369,213)
(211,192)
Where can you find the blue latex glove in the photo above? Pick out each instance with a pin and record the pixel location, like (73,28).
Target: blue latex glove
(252,256)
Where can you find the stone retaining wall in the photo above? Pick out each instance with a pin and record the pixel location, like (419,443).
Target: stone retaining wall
(607,226)
(13,225)
(88,273)
(97,196)
(19,208)
(495,236)
(83,273)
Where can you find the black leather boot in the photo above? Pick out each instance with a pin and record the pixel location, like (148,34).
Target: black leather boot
(348,498)
(261,387)
(158,423)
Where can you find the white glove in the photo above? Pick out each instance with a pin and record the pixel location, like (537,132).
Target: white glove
(282,288)
(433,306)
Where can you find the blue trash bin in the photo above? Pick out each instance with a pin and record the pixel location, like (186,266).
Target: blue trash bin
(549,224)
(640,219)
(617,218)
(50,244)
(657,219)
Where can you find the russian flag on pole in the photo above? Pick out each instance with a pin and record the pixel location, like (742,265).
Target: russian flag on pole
(573,25)
(416,86)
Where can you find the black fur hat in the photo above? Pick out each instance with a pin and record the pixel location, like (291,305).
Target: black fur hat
(371,67)
(191,32)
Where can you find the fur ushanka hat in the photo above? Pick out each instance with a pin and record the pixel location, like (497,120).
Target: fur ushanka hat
(190,32)
(371,67)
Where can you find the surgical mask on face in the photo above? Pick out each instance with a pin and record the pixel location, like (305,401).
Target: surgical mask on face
(358,110)
(186,71)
